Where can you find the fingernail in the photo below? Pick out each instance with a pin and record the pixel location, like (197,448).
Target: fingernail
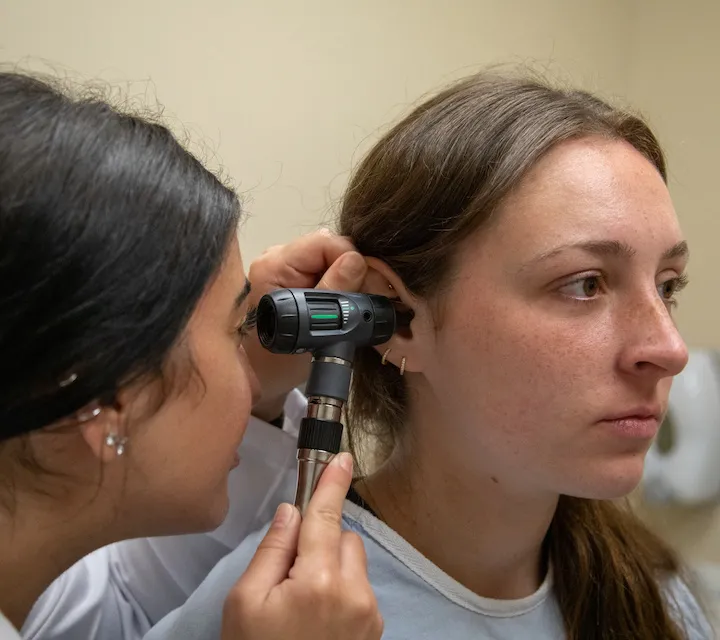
(283,515)
(352,265)
(345,461)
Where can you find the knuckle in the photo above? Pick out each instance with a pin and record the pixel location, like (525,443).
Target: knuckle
(354,545)
(328,516)
(323,586)
(365,607)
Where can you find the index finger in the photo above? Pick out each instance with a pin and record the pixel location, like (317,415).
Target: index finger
(320,532)
(315,252)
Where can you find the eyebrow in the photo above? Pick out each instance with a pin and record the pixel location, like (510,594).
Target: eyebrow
(242,296)
(608,248)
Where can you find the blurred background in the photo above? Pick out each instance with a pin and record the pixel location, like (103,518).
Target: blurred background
(284,97)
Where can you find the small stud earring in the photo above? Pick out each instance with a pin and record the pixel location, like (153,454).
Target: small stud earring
(385,355)
(402,366)
(113,440)
(89,414)
(390,287)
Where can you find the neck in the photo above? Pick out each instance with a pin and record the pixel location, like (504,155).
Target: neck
(38,542)
(485,535)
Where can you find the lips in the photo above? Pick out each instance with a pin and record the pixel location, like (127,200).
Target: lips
(637,413)
(639,422)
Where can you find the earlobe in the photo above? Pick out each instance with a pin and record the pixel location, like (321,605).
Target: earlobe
(101,429)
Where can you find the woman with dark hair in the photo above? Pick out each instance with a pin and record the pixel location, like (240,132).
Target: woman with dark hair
(125,389)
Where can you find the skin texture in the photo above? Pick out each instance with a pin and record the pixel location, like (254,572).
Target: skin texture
(530,347)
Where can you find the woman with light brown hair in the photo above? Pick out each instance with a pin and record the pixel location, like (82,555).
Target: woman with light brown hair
(530,233)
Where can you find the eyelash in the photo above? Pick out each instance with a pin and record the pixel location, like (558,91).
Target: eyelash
(248,324)
(679,283)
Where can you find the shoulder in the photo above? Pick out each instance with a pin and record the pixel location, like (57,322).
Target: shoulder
(200,616)
(687,610)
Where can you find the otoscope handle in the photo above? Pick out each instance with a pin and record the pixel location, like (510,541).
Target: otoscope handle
(311,464)
(318,442)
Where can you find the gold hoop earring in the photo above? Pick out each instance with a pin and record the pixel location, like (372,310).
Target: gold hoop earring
(385,355)
(402,366)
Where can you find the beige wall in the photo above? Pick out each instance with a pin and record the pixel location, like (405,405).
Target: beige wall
(675,78)
(286,94)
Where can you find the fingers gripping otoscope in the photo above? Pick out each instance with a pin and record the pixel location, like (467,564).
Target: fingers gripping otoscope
(330,325)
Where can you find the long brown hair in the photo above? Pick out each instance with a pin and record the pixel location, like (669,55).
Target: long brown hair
(431,181)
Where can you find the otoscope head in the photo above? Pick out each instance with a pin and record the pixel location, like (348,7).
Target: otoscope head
(300,320)
(332,325)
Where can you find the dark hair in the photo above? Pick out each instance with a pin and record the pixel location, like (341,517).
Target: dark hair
(432,181)
(110,232)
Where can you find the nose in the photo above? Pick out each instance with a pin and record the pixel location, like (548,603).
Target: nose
(655,347)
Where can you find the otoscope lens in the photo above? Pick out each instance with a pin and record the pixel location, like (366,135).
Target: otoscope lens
(266,321)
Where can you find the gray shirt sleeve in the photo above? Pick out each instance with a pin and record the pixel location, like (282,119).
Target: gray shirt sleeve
(688,612)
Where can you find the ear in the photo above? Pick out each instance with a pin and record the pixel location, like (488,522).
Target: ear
(97,423)
(409,342)
(104,425)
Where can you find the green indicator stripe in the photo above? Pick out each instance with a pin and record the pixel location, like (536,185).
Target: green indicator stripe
(324,316)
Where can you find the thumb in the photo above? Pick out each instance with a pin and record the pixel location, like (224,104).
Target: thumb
(276,554)
(347,273)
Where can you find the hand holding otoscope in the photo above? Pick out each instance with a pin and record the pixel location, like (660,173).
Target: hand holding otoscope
(330,325)
(309,578)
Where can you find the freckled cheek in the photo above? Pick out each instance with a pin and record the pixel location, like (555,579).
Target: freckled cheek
(512,355)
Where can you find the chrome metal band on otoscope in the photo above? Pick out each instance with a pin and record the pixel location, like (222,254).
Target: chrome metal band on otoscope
(314,456)
(331,325)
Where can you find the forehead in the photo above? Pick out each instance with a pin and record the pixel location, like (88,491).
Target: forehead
(589,189)
(218,300)
(231,277)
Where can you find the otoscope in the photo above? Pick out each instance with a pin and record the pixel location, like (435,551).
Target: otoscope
(330,325)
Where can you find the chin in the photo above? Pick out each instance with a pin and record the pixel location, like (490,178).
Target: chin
(220,508)
(610,480)
(208,514)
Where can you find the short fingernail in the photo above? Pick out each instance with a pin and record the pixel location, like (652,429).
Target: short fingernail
(345,461)
(352,265)
(283,515)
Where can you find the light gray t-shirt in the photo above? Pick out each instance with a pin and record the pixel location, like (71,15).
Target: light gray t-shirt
(7,631)
(418,601)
